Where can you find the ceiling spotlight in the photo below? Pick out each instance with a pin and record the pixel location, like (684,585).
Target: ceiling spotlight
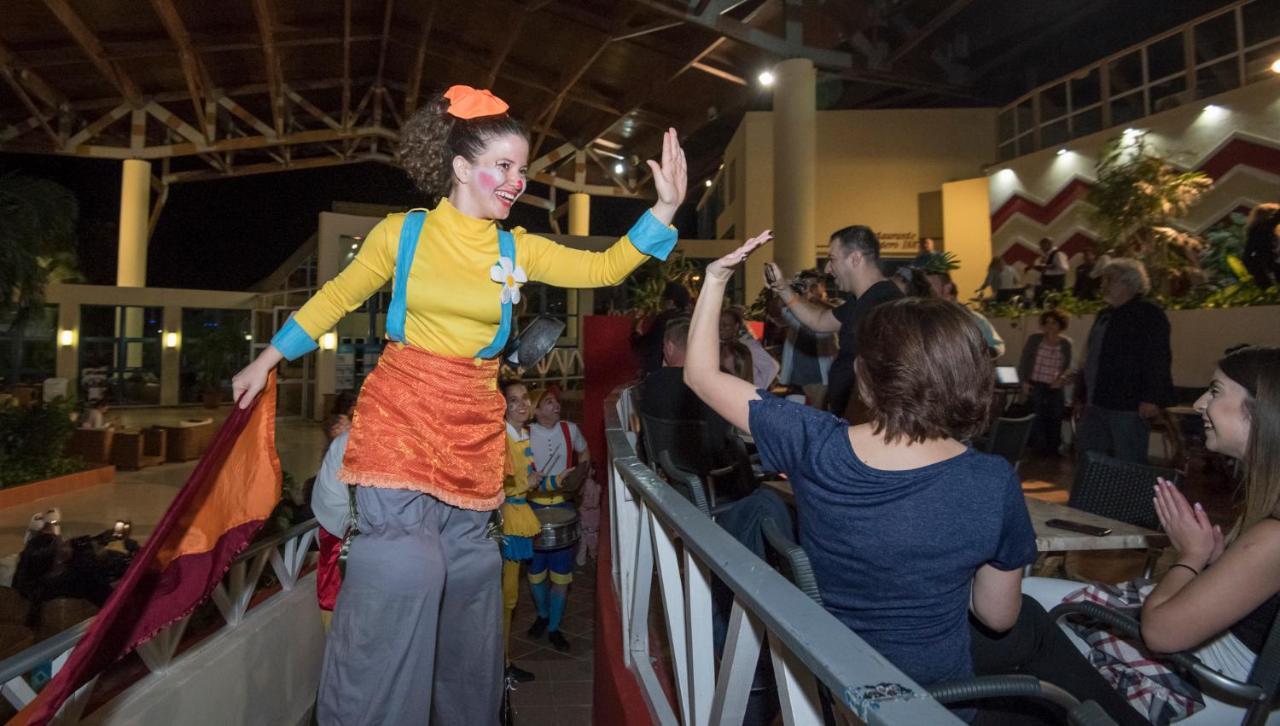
(765,78)
(1275,66)
(619,168)
(1062,151)
(708,183)
(354,246)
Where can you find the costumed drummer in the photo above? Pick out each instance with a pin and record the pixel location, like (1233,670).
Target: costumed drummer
(559,449)
(519,524)
(427,448)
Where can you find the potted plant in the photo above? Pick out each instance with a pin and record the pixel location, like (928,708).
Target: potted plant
(217,357)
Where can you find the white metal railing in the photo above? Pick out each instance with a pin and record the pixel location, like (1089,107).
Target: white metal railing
(654,531)
(286,553)
(1140,80)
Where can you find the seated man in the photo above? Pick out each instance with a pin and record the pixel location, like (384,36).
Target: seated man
(663,394)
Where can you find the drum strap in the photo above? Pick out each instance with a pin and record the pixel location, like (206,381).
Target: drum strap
(570,455)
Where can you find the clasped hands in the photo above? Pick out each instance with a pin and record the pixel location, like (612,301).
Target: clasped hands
(1198,541)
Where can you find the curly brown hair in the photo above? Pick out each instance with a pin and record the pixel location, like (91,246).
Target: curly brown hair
(431,138)
(923,370)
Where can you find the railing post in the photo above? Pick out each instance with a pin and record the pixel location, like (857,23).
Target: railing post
(797,689)
(673,607)
(737,667)
(698,620)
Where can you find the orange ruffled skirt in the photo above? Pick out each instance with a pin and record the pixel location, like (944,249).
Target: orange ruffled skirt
(430,423)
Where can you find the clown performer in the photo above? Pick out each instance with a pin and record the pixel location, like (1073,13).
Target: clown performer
(558,450)
(426,446)
(519,524)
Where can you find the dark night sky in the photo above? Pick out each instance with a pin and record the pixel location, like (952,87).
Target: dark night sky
(228,234)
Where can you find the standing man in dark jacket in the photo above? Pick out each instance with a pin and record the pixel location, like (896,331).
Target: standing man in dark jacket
(854,261)
(1126,369)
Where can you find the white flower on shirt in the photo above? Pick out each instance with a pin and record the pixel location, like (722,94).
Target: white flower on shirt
(511,276)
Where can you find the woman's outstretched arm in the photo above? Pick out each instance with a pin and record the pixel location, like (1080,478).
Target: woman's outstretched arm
(727,394)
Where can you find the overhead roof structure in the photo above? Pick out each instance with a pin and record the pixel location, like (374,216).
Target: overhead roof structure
(236,87)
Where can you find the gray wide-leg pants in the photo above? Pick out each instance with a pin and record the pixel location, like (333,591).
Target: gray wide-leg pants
(417,630)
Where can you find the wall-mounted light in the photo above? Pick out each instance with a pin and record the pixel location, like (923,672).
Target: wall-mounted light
(1214,109)
(1062,151)
(248,337)
(1275,66)
(66,337)
(171,340)
(708,183)
(329,341)
(765,78)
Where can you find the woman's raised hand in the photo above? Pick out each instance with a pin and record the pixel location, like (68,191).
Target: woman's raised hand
(1198,541)
(722,269)
(670,178)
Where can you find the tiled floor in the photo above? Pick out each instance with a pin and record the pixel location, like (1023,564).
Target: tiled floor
(561,694)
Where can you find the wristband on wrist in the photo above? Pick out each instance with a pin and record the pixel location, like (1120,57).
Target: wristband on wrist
(1193,570)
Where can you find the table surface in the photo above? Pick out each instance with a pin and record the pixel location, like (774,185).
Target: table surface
(1051,539)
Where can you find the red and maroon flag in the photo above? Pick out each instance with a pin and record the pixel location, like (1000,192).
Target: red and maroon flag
(213,518)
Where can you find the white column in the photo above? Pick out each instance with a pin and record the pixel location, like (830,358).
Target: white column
(131,254)
(794,159)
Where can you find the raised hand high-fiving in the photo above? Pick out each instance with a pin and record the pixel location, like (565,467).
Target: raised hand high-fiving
(670,177)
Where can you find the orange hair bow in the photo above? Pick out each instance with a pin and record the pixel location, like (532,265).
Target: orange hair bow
(467,102)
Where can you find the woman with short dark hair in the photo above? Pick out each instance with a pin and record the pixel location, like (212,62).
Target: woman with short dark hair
(909,529)
(1044,369)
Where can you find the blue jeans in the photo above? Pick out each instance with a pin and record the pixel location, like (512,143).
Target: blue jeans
(1122,434)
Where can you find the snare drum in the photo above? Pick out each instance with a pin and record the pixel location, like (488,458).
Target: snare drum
(560,529)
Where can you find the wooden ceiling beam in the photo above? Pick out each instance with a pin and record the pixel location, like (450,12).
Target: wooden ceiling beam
(346,64)
(931,27)
(30,80)
(420,62)
(516,24)
(264,15)
(92,46)
(193,70)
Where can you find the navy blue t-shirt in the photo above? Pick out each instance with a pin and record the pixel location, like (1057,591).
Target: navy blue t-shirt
(895,552)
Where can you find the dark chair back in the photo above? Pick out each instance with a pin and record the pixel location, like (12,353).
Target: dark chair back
(686,441)
(1118,489)
(1008,438)
(793,561)
(684,481)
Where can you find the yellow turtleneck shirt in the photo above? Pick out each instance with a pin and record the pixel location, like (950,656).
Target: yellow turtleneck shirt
(453,305)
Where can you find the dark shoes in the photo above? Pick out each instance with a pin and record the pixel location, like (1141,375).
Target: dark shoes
(558,641)
(538,628)
(518,674)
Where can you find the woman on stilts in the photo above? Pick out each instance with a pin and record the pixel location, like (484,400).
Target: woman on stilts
(417,628)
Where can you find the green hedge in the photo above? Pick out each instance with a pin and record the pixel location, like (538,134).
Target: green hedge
(33,443)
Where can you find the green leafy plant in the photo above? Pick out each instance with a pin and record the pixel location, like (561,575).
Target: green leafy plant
(1136,198)
(940,263)
(37,240)
(648,283)
(33,443)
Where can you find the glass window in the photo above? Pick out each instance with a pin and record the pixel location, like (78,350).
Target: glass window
(1219,77)
(1008,151)
(1126,108)
(1025,120)
(1166,57)
(1126,73)
(1054,134)
(1261,22)
(1215,38)
(1085,90)
(1053,103)
(1257,62)
(29,350)
(1087,122)
(120,353)
(215,344)
(1004,125)
(1168,94)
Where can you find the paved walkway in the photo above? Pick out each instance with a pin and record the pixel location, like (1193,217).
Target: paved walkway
(143,496)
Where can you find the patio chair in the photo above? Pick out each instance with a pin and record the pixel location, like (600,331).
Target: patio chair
(1008,438)
(1118,489)
(689,484)
(1256,695)
(92,445)
(799,570)
(694,448)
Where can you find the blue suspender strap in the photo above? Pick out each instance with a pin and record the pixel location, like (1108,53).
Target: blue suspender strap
(507,249)
(409,233)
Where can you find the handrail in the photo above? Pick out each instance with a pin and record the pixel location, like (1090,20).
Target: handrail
(801,634)
(15,666)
